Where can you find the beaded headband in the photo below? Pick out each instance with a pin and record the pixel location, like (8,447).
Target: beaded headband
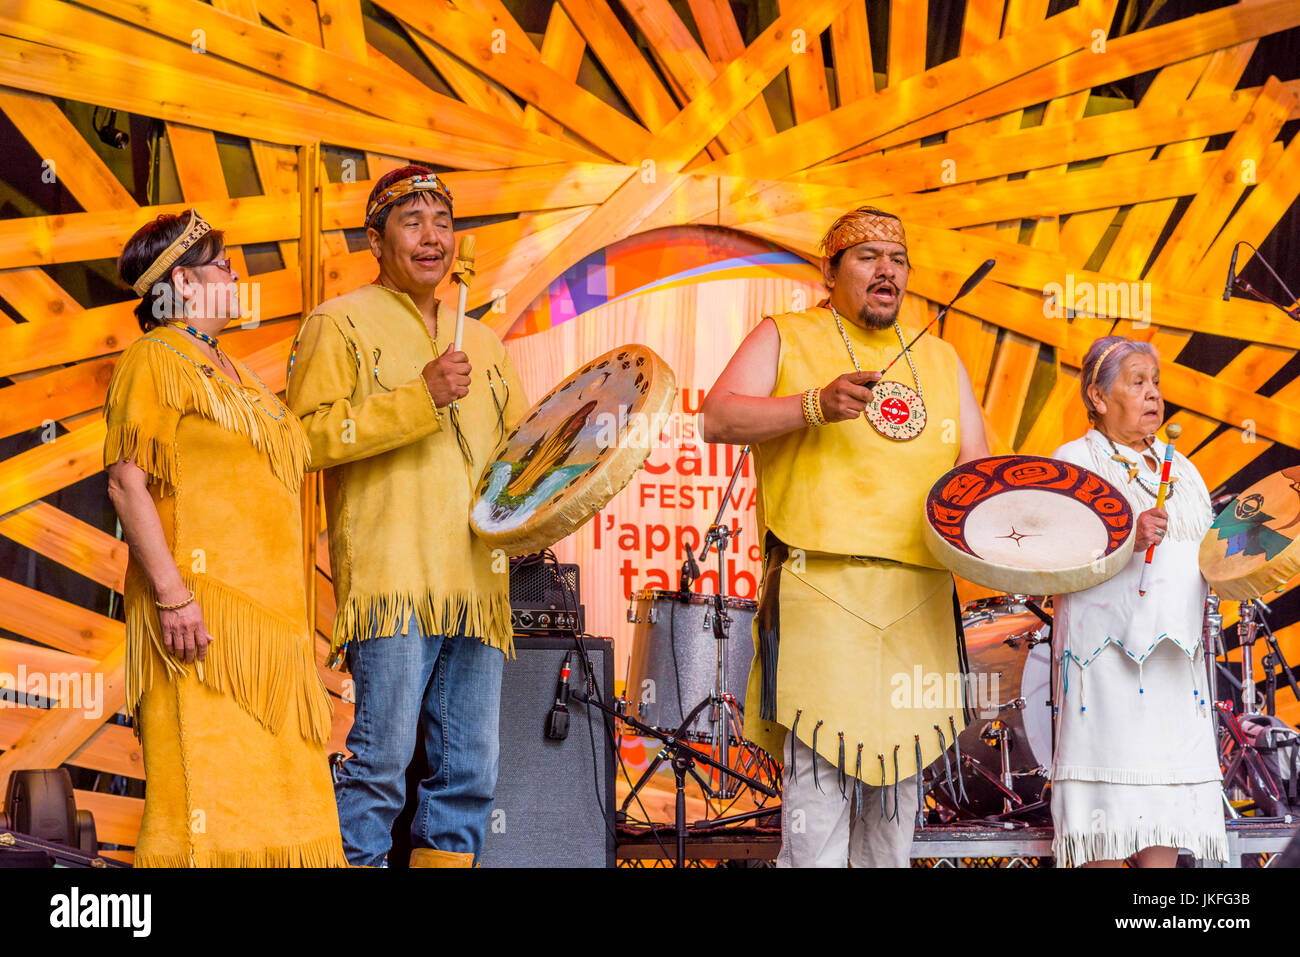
(404,187)
(859,226)
(195,230)
(1097,368)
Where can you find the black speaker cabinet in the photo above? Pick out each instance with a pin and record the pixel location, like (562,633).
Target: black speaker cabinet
(554,804)
(555,799)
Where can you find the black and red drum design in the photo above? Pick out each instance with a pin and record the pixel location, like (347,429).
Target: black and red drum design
(1029,525)
(896,411)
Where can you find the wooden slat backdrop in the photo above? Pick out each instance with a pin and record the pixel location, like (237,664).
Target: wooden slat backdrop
(1034,170)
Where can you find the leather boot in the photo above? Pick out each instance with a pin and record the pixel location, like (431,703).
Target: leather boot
(432,857)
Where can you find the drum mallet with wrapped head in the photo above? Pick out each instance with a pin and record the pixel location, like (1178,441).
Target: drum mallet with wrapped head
(1173,430)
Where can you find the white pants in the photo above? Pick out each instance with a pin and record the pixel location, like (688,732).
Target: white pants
(825,829)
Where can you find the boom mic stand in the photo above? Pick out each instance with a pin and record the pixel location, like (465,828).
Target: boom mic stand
(683,756)
(1236,283)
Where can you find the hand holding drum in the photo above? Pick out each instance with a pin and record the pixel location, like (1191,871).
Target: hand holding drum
(848,396)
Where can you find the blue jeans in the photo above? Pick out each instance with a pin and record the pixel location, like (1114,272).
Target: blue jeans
(449,686)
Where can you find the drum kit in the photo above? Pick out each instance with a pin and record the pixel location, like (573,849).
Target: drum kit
(1027,527)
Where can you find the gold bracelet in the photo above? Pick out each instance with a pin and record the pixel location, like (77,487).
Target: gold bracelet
(812,412)
(162,607)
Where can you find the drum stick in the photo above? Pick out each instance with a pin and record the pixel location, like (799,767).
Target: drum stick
(971,282)
(461,273)
(1173,430)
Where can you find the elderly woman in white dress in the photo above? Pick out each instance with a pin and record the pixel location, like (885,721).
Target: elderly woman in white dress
(1135,773)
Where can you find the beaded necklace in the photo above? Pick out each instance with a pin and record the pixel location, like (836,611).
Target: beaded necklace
(1134,471)
(895,411)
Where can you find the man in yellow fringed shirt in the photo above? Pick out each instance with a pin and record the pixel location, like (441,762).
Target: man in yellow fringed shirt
(852,601)
(403,426)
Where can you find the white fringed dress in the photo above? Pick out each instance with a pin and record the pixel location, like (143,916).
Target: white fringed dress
(1135,764)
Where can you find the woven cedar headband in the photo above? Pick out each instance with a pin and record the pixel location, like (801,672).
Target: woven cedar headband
(195,230)
(862,227)
(404,187)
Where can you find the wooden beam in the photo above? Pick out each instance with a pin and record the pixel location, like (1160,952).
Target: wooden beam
(806,73)
(562,50)
(907,32)
(685,136)
(622,60)
(58,624)
(980,158)
(51,466)
(130,83)
(519,68)
(73,161)
(723,43)
(1124,57)
(689,67)
(948,83)
(35,296)
(261,58)
(342,29)
(68,540)
(1224,185)
(855,77)
(471,86)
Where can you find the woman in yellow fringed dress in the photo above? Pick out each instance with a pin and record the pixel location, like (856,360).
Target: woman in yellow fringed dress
(205,466)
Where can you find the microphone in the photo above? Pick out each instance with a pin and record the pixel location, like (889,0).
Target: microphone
(1232,274)
(557,721)
(690,572)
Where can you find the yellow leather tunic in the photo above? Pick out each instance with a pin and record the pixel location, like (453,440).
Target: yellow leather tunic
(867,663)
(397,488)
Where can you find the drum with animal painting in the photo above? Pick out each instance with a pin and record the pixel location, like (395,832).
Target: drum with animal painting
(574,451)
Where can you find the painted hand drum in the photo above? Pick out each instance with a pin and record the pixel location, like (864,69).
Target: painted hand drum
(1254,544)
(1029,525)
(574,451)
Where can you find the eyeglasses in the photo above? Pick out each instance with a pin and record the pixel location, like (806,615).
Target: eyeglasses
(221,264)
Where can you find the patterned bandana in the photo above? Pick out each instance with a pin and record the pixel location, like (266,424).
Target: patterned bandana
(862,226)
(404,187)
(195,230)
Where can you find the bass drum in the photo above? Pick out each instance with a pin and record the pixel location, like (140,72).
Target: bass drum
(1009,686)
(675,658)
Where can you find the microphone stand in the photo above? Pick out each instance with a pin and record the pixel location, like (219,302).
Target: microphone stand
(683,760)
(719,535)
(1235,282)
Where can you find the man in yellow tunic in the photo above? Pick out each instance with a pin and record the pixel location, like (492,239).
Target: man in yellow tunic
(404,426)
(853,604)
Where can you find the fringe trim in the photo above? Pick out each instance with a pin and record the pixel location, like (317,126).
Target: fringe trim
(263,661)
(1128,776)
(1190,513)
(152,454)
(364,616)
(1073,849)
(184,387)
(322,852)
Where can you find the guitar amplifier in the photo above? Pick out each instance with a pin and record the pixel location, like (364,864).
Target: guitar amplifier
(544,597)
(554,799)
